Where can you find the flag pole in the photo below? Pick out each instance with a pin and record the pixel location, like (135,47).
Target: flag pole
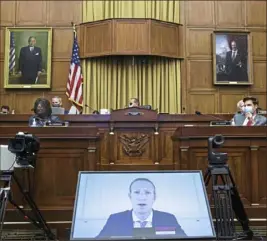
(74,29)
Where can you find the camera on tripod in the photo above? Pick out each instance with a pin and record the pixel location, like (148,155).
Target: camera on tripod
(24,146)
(216,158)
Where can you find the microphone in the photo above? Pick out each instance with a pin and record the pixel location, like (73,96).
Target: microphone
(214,117)
(89,107)
(219,122)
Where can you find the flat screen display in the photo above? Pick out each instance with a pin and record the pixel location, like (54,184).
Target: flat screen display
(141,205)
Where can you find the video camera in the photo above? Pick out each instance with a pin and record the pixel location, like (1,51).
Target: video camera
(216,158)
(24,146)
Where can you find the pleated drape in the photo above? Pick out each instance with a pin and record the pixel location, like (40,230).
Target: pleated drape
(109,82)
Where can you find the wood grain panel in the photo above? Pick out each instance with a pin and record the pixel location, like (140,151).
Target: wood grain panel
(100,35)
(259,79)
(2,43)
(262,165)
(228,101)
(57,17)
(237,161)
(201,18)
(166,146)
(259,44)
(262,99)
(60,36)
(204,102)
(73,159)
(230,13)
(26,105)
(7,13)
(131,36)
(199,44)
(60,73)
(200,13)
(7,99)
(159,44)
(256,13)
(200,74)
(31,13)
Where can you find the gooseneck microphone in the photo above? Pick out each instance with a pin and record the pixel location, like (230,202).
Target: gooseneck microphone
(214,117)
(93,110)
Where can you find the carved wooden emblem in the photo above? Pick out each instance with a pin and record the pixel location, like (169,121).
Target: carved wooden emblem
(133,146)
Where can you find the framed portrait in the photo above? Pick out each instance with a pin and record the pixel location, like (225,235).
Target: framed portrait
(28,58)
(232,58)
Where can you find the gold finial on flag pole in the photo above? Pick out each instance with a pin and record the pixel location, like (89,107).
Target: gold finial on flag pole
(74,28)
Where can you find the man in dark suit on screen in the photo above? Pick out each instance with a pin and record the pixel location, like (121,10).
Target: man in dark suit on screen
(142,193)
(30,62)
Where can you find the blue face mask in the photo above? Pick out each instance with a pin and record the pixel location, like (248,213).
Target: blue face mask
(248,109)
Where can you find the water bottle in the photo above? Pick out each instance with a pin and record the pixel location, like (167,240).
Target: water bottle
(34,123)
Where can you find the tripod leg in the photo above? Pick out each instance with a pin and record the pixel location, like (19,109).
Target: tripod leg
(239,208)
(36,212)
(207,177)
(3,204)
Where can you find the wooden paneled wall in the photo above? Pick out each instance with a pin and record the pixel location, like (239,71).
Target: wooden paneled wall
(56,14)
(200,19)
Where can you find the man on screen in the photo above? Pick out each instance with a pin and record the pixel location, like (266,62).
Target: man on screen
(142,193)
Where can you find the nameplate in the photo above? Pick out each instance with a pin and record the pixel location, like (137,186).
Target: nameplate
(220,123)
(63,124)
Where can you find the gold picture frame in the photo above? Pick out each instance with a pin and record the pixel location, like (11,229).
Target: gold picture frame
(28,58)
(232,58)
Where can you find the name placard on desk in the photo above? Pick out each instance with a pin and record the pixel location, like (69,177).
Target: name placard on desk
(57,124)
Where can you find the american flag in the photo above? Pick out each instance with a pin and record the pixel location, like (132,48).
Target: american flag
(75,81)
(12,53)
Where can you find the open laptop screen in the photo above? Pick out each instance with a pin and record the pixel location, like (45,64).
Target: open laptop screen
(141,205)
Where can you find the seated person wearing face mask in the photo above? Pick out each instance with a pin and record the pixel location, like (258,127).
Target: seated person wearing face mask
(134,102)
(57,102)
(249,117)
(43,111)
(5,109)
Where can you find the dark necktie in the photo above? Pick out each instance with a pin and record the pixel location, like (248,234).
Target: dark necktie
(143,224)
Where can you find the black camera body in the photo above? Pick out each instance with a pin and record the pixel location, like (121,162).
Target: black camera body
(25,146)
(216,158)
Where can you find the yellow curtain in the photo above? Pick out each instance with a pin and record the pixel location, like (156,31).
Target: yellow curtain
(112,81)
(165,10)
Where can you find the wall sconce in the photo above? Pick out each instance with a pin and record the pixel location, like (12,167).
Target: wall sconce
(156,129)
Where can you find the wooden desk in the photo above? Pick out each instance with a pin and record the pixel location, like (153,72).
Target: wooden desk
(139,144)
(247,152)
(63,153)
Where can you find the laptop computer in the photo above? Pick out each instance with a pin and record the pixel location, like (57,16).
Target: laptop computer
(58,111)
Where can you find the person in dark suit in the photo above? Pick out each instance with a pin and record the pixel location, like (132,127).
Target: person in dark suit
(42,114)
(235,65)
(142,193)
(30,62)
(249,117)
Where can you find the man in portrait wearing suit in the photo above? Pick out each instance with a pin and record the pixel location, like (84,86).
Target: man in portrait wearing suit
(235,65)
(142,193)
(30,62)
(249,116)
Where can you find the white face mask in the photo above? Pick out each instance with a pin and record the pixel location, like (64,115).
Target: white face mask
(243,108)
(248,109)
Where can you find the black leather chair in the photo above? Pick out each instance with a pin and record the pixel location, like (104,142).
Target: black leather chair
(148,107)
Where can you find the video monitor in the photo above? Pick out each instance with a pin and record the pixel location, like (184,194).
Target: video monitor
(141,205)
